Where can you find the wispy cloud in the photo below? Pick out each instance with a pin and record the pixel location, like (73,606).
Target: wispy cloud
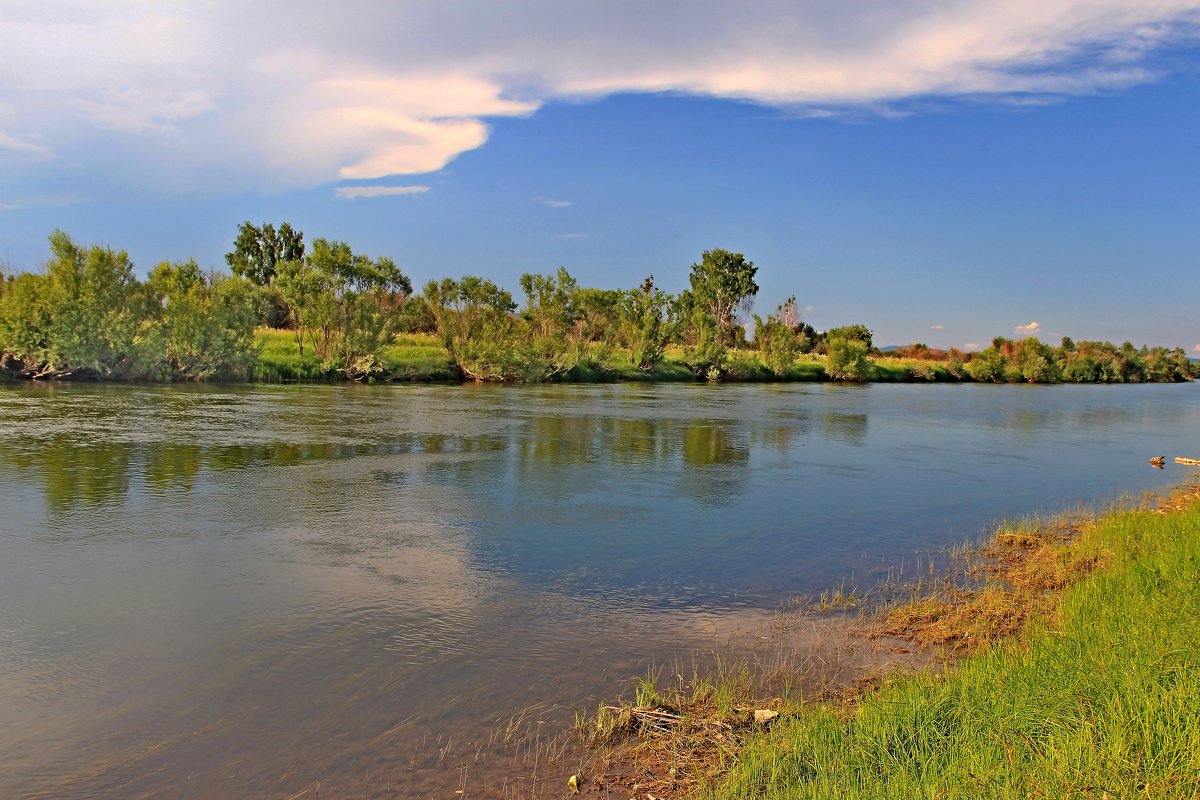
(356,192)
(971,346)
(14,145)
(570,236)
(201,89)
(556,203)
(1032,327)
(1196,348)
(937,327)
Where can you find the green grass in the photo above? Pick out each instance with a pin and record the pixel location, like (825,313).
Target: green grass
(1101,699)
(421,357)
(279,358)
(909,370)
(410,357)
(418,356)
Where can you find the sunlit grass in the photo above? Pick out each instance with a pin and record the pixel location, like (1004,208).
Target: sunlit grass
(410,356)
(1100,696)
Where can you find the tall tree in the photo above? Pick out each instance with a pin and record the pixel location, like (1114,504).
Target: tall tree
(257,252)
(722,284)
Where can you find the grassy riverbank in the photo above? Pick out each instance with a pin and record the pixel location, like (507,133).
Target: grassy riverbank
(1080,678)
(421,357)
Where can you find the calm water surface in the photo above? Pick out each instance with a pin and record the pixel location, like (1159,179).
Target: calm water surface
(212,591)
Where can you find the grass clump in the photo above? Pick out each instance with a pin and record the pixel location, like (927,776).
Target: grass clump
(676,734)
(1099,695)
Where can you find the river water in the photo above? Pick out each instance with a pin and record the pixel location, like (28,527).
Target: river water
(271,590)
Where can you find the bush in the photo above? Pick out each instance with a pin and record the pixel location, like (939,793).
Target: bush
(849,359)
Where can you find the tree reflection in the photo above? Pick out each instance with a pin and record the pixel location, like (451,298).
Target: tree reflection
(844,428)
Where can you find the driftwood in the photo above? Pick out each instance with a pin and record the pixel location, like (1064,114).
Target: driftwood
(1191,462)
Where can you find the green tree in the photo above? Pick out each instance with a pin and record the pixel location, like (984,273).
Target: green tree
(25,322)
(200,326)
(476,326)
(721,285)
(649,321)
(257,251)
(551,345)
(345,305)
(83,322)
(988,366)
(1036,362)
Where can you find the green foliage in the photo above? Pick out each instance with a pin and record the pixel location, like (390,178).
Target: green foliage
(705,351)
(989,366)
(257,252)
(849,358)
(25,321)
(415,316)
(75,319)
(558,333)
(648,322)
(343,305)
(1031,361)
(856,333)
(1037,363)
(780,337)
(88,316)
(200,326)
(476,326)
(1167,366)
(720,285)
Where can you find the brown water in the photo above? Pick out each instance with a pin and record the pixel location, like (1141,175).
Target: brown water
(253,591)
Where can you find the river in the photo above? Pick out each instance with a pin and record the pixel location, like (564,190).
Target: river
(256,591)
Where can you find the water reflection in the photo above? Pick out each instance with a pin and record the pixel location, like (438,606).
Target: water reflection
(99,471)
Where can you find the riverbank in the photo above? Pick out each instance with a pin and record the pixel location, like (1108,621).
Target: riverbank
(421,357)
(1078,675)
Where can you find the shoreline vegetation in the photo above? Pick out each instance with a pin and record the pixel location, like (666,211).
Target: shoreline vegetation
(289,312)
(1070,652)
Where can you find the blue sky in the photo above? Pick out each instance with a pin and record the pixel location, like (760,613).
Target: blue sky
(943,172)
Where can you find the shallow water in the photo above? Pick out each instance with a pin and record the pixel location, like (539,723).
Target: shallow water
(244,591)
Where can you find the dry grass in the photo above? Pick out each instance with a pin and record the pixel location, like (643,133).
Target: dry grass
(1006,581)
(672,740)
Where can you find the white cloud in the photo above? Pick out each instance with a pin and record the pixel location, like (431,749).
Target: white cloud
(1032,327)
(570,236)
(20,147)
(355,192)
(279,94)
(557,203)
(1196,348)
(937,327)
(971,346)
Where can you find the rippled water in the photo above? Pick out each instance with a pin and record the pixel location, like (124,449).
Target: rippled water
(215,591)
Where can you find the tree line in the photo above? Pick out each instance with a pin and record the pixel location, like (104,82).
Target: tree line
(87,315)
